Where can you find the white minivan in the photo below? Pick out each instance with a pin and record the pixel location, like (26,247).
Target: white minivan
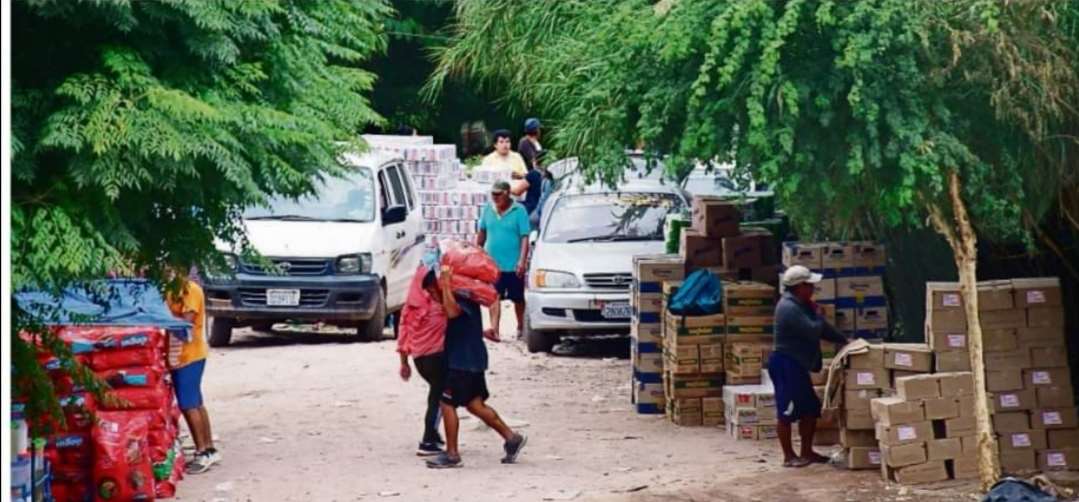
(343,256)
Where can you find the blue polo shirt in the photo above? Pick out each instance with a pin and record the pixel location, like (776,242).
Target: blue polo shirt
(504,233)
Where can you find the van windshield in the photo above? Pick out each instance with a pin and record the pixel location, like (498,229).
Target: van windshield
(610,217)
(347,198)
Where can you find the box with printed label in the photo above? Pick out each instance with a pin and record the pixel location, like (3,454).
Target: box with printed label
(750,325)
(808,255)
(1015,400)
(651,303)
(649,393)
(956,384)
(895,411)
(1063,438)
(871,318)
(944,449)
(683,360)
(866,379)
(652,270)
(838,255)
(908,357)
(859,287)
(1048,357)
(845,319)
(825,290)
(999,340)
(1016,461)
(892,435)
(1065,459)
(918,387)
(693,330)
(995,295)
(1012,421)
(742,416)
(715,217)
(1054,418)
(952,361)
(943,296)
(711,358)
(742,251)
(1023,440)
(746,298)
(863,457)
(873,358)
(941,408)
(1047,377)
(903,455)
(1054,396)
(740,396)
(1045,317)
(946,341)
(959,427)
(1003,319)
(1004,380)
(857,420)
(928,472)
(1002,360)
(869,255)
(699,250)
(693,386)
(743,359)
(649,362)
(1037,292)
(646,333)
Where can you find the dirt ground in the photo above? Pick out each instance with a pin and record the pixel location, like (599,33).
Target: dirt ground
(304,415)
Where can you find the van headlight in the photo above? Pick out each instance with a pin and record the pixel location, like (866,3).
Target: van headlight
(359,263)
(555,279)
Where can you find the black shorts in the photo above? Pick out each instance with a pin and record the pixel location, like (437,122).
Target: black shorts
(464,386)
(510,287)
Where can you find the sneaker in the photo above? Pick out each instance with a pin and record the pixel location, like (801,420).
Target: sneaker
(513,448)
(203,461)
(444,461)
(428,449)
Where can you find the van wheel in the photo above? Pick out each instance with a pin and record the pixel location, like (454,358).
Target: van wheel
(538,341)
(221,331)
(371,330)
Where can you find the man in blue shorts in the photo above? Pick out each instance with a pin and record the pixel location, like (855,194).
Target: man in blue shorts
(503,232)
(799,329)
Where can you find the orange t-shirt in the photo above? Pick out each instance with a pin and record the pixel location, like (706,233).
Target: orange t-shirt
(191,301)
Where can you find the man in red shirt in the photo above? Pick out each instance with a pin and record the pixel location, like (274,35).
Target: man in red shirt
(422,335)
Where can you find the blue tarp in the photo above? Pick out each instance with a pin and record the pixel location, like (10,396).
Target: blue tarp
(113,302)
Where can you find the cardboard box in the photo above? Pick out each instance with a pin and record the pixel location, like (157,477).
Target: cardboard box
(871,359)
(649,303)
(943,296)
(1045,317)
(857,420)
(850,438)
(649,362)
(1037,292)
(860,399)
(808,255)
(1013,421)
(928,472)
(693,330)
(646,332)
(1004,360)
(918,387)
(999,340)
(952,361)
(746,298)
(1054,396)
(893,435)
(871,318)
(685,360)
(742,416)
(845,319)
(655,269)
(699,250)
(964,467)
(869,255)
(958,427)
(742,251)
(857,379)
(900,374)
(903,455)
(838,255)
(1064,459)
(1004,380)
(743,359)
(1063,438)
(1044,337)
(1048,357)
(954,320)
(956,384)
(1016,461)
(946,341)
(1003,319)
(941,408)
(970,445)
(693,386)
(750,325)
(711,358)
(715,217)
(1049,377)
(825,290)
(908,357)
(895,411)
(966,406)
(740,396)
(1054,418)
(1023,440)
(859,287)
(995,295)
(649,393)
(1014,400)
(943,449)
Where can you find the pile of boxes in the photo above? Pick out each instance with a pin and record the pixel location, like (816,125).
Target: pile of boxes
(1026,366)
(693,364)
(750,411)
(715,241)
(852,291)
(646,328)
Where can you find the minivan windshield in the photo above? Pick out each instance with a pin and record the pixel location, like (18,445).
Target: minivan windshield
(609,217)
(347,198)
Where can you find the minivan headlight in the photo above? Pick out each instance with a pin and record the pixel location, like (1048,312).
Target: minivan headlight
(354,264)
(554,279)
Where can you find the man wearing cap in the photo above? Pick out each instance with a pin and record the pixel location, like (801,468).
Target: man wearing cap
(503,232)
(531,150)
(799,329)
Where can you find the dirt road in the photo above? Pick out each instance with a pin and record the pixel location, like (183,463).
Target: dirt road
(309,417)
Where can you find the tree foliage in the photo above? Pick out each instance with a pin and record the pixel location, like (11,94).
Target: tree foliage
(142,129)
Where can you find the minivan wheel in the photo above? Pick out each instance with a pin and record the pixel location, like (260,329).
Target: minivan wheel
(371,330)
(221,331)
(538,341)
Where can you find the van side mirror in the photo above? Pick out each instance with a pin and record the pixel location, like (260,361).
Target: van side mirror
(393,215)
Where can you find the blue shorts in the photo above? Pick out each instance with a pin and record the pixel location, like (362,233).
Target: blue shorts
(795,397)
(187,381)
(510,287)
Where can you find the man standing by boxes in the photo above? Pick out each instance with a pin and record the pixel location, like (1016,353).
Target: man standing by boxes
(799,328)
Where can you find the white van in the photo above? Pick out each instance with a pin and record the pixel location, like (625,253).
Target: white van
(344,256)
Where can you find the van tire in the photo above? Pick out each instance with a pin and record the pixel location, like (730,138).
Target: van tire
(371,330)
(538,341)
(221,331)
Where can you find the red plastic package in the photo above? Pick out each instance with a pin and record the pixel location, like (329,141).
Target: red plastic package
(69,451)
(147,376)
(139,398)
(469,260)
(122,469)
(71,491)
(423,321)
(475,290)
(126,358)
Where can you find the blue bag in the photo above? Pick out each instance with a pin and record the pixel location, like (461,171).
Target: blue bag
(701,294)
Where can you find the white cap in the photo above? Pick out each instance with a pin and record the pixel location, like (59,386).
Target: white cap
(798,274)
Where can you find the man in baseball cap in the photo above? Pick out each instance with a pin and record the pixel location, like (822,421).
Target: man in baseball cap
(799,329)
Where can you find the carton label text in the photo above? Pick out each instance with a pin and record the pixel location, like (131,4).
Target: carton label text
(874,457)
(866,379)
(906,433)
(1009,401)
(1051,418)
(1035,296)
(1021,440)
(1041,378)
(902,359)
(950,300)
(957,340)
(1055,459)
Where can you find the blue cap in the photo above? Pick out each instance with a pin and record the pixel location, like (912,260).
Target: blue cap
(532,125)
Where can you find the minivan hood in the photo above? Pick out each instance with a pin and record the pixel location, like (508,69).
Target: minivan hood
(593,257)
(310,239)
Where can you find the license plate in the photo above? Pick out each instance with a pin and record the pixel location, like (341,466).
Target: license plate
(282,297)
(616,310)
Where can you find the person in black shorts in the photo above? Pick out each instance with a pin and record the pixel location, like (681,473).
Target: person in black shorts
(466,384)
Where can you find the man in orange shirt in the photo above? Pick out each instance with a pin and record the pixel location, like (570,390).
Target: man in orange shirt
(189,304)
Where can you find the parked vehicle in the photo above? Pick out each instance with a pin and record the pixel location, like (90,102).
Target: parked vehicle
(581,266)
(343,256)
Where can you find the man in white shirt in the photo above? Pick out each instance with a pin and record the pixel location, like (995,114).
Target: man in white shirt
(505,158)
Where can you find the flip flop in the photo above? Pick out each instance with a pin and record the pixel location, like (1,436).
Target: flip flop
(817,459)
(796,462)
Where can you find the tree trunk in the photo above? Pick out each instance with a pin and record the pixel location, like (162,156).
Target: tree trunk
(961,237)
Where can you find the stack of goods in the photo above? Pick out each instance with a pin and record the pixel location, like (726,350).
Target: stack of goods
(926,431)
(126,447)
(693,364)
(750,411)
(646,328)
(31,476)
(1026,366)
(716,242)
(852,291)
(750,310)
(865,379)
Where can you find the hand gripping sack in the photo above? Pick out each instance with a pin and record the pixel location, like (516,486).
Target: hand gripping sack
(469,260)
(700,294)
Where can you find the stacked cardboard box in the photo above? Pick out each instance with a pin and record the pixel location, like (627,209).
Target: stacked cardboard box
(750,411)
(692,364)
(716,242)
(750,311)
(853,284)
(646,328)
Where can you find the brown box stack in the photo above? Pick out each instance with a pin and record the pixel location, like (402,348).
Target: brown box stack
(717,242)
(692,364)
(865,379)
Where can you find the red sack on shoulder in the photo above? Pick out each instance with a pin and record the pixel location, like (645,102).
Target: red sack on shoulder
(475,290)
(469,260)
(122,469)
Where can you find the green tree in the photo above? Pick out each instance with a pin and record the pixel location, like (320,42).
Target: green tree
(142,129)
(864,115)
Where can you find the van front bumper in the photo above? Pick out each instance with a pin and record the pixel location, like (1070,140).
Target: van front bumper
(331,299)
(576,312)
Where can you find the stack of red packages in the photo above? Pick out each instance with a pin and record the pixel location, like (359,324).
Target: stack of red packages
(125,446)
(474,271)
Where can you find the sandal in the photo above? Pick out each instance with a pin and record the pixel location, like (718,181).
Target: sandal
(817,458)
(796,462)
